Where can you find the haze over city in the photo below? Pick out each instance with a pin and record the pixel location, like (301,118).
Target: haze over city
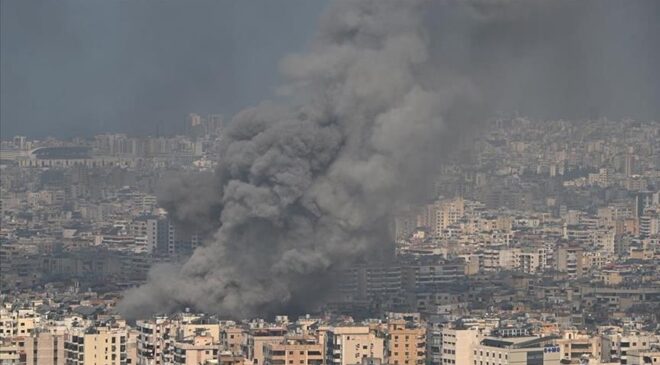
(330,182)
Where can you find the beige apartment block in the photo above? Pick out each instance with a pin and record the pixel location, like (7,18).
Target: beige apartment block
(406,344)
(96,346)
(154,337)
(516,351)
(294,351)
(195,351)
(9,353)
(350,344)
(641,357)
(575,346)
(18,323)
(189,330)
(457,345)
(42,349)
(233,340)
(258,339)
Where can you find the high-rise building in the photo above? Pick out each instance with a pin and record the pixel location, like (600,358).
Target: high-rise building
(43,349)
(154,340)
(97,346)
(649,223)
(569,259)
(629,164)
(406,343)
(457,345)
(179,242)
(151,231)
(215,123)
(348,345)
(444,213)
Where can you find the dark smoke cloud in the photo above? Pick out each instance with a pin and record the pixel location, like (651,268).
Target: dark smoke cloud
(385,91)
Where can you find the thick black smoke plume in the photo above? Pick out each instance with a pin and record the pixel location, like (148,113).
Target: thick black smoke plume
(381,96)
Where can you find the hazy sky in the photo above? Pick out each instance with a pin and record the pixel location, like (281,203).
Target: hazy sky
(73,67)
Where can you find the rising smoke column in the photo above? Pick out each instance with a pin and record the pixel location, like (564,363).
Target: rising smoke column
(302,191)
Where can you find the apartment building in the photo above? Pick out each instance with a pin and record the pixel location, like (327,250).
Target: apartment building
(189,330)
(9,353)
(644,357)
(233,340)
(258,338)
(348,345)
(569,259)
(406,343)
(194,351)
(42,349)
(443,213)
(576,347)
(17,323)
(96,346)
(294,351)
(516,350)
(457,345)
(154,338)
(618,346)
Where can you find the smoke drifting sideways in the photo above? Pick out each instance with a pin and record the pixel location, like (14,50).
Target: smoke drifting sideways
(384,92)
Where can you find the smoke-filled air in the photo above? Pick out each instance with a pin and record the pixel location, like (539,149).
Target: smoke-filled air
(308,186)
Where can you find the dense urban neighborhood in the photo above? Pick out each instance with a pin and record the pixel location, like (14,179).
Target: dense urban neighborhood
(538,243)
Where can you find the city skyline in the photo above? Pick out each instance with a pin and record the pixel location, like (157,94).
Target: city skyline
(372,182)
